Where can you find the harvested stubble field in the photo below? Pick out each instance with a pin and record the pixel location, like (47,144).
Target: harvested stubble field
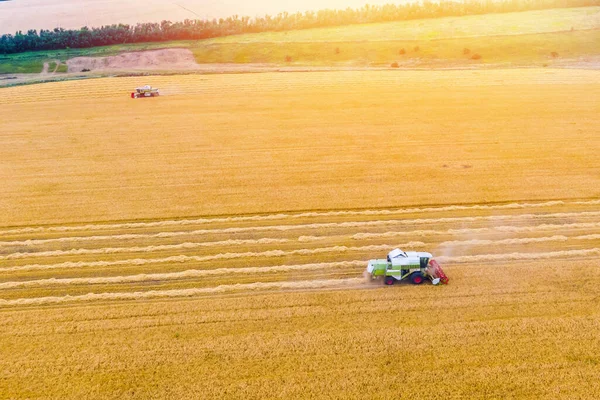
(210,243)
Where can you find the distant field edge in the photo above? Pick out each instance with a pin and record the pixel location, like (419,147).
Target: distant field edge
(517,38)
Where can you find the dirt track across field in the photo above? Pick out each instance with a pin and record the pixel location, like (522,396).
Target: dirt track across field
(173,59)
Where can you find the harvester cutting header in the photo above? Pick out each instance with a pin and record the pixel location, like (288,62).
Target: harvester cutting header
(414,266)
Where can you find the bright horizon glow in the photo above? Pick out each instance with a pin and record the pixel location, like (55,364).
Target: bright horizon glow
(72,14)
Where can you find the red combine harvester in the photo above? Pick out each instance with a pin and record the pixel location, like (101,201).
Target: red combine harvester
(145,91)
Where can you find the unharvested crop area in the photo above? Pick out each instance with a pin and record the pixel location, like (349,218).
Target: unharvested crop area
(210,243)
(520,38)
(236,144)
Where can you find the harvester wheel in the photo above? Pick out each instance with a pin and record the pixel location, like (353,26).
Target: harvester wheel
(389,280)
(417,278)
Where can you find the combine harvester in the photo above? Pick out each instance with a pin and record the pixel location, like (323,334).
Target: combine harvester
(145,91)
(413,266)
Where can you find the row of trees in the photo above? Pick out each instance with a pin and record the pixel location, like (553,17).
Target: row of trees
(202,29)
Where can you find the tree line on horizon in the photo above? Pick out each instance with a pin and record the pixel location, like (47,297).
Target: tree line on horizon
(59,38)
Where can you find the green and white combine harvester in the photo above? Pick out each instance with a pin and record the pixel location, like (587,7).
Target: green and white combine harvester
(413,266)
(145,91)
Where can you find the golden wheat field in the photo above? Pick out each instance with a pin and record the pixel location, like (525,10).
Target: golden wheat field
(211,243)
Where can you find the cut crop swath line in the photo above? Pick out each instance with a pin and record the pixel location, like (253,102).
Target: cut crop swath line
(313,284)
(284,228)
(520,256)
(221,256)
(463,231)
(169,276)
(283,216)
(284,268)
(155,248)
(141,249)
(556,238)
(282,253)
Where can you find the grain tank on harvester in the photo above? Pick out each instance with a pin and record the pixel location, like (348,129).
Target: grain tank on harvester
(413,266)
(145,91)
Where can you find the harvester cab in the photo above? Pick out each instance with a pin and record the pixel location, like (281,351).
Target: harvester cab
(412,266)
(145,91)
